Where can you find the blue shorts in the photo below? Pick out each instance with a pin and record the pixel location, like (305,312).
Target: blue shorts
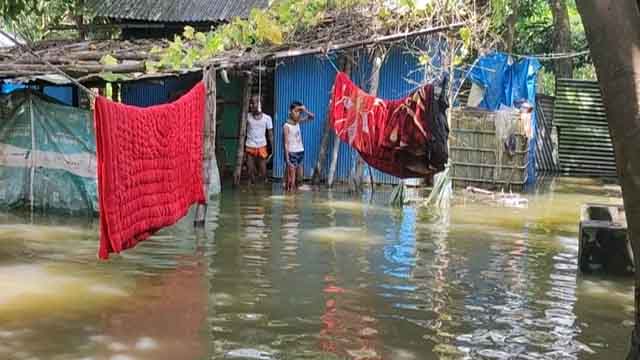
(295,158)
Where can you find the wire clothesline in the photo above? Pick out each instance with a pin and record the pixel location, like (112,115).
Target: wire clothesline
(552,56)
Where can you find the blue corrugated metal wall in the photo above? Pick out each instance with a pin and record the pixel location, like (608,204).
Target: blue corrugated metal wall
(158,91)
(146,93)
(64,94)
(310,79)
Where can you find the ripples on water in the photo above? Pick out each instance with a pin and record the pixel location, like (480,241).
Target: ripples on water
(317,276)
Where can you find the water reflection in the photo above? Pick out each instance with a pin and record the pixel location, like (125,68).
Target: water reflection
(317,276)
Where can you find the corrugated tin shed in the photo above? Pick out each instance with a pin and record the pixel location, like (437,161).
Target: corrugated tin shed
(584,141)
(310,78)
(184,11)
(546,149)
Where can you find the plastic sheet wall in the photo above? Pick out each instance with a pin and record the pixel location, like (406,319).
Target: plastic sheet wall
(49,159)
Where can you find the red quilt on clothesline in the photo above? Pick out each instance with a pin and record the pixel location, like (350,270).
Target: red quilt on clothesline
(390,135)
(149,167)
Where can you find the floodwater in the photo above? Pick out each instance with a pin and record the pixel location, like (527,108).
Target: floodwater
(318,275)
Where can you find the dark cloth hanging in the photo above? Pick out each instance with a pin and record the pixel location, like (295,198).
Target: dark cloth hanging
(393,136)
(149,167)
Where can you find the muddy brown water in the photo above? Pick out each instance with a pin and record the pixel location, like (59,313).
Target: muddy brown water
(318,276)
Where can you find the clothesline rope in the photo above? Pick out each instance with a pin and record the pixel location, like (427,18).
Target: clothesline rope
(27,48)
(553,56)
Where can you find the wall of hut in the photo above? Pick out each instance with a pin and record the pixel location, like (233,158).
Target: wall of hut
(310,78)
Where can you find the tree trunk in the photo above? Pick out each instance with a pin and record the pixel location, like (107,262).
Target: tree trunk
(237,174)
(79,19)
(561,38)
(510,33)
(613,32)
(358,168)
(336,141)
(211,176)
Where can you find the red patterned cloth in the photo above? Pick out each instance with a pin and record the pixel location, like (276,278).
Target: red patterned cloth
(390,135)
(149,167)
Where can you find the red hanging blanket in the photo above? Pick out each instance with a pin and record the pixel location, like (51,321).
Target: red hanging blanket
(390,135)
(149,167)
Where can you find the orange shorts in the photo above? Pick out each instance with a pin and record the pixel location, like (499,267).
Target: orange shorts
(260,152)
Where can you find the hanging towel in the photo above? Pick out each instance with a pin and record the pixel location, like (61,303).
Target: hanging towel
(392,136)
(149,167)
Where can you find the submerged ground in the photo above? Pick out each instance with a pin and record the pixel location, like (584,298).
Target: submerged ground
(318,276)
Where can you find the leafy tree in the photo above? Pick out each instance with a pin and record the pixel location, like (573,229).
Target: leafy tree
(534,34)
(613,31)
(34,19)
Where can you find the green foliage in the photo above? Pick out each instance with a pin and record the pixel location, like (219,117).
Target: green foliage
(264,27)
(111,77)
(286,18)
(34,19)
(546,82)
(465,35)
(534,29)
(424,59)
(13,8)
(108,60)
(585,72)
(267,30)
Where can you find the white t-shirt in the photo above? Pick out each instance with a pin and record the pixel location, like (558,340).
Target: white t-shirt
(256,130)
(294,138)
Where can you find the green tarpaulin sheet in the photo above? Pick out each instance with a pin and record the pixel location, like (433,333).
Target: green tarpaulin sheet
(47,155)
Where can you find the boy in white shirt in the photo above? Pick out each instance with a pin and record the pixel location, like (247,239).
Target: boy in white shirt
(259,127)
(293,146)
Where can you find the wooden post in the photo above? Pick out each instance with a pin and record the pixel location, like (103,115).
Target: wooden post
(322,155)
(357,172)
(324,143)
(209,166)
(336,140)
(243,129)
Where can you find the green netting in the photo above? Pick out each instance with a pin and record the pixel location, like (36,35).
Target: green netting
(47,155)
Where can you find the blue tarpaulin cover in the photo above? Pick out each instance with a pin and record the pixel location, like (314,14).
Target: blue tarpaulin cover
(507,81)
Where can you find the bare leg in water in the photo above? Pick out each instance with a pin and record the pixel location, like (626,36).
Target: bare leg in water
(262,168)
(251,166)
(299,176)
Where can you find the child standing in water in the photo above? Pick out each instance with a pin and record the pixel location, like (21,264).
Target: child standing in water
(293,146)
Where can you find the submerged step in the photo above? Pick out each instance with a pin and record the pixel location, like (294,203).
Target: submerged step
(604,245)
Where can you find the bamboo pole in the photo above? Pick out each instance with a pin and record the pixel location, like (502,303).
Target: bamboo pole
(322,155)
(324,143)
(357,172)
(336,141)
(209,168)
(243,129)
(375,40)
